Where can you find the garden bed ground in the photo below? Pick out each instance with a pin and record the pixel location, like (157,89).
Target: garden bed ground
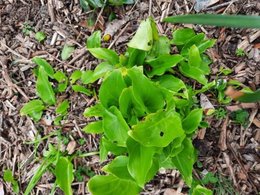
(227,149)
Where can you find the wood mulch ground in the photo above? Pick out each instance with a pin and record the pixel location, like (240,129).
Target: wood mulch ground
(229,150)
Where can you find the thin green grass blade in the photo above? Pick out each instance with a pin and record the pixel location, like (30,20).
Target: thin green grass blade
(236,21)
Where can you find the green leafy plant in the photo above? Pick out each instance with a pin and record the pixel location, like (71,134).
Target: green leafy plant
(40,36)
(240,117)
(86,4)
(240,52)
(8,177)
(148,119)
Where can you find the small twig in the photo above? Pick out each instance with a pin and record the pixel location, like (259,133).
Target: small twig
(150,7)
(121,32)
(223,136)
(82,52)
(51,10)
(227,159)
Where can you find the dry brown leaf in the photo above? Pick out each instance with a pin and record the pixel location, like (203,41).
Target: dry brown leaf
(232,93)
(206,105)
(71,147)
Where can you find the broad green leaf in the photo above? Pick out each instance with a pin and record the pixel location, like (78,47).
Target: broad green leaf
(115,127)
(196,40)
(95,3)
(194,57)
(236,21)
(40,36)
(110,184)
(120,2)
(118,168)
(67,51)
(135,57)
(192,121)
(94,40)
(64,175)
(147,94)
(31,107)
(193,72)
(199,190)
(105,54)
(182,36)
(81,89)
(94,127)
(96,110)
(46,66)
(101,70)
(184,161)
(128,105)
(161,47)
(171,83)
(84,5)
(76,75)
(163,128)
(111,89)
(163,63)
(60,76)
(107,146)
(63,107)
(86,76)
(44,88)
(205,45)
(140,161)
(143,38)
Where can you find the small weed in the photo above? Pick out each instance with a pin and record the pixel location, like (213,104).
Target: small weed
(8,177)
(220,113)
(240,117)
(240,52)
(27,29)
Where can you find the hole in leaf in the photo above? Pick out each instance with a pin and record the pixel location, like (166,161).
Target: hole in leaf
(161,134)
(148,68)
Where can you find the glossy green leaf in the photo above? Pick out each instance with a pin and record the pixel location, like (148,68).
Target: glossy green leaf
(94,40)
(143,38)
(44,88)
(199,190)
(140,161)
(237,21)
(95,3)
(31,107)
(40,36)
(184,161)
(111,89)
(96,110)
(63,107)
(182,36)
(171,83)
(196,40)
(135,57)
(107,146)
(94,127)
(115,127)
(60,76)
(76,75)
(46,66)
(163,63)
(204,45)
(192,121)
(118,168)
(105,54)
(160,47)
(128,105)
(194,57)
(64,175)
(110,184)
(101,70)
(67,51)
(81,89)
(148,95)
(163,128)
(193,72)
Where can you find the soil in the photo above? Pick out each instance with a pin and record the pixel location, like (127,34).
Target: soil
(229,150)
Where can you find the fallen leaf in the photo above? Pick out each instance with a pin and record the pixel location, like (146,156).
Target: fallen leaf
(71,147)
(232,93)
(256,122)
(206,105)
(169,191)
